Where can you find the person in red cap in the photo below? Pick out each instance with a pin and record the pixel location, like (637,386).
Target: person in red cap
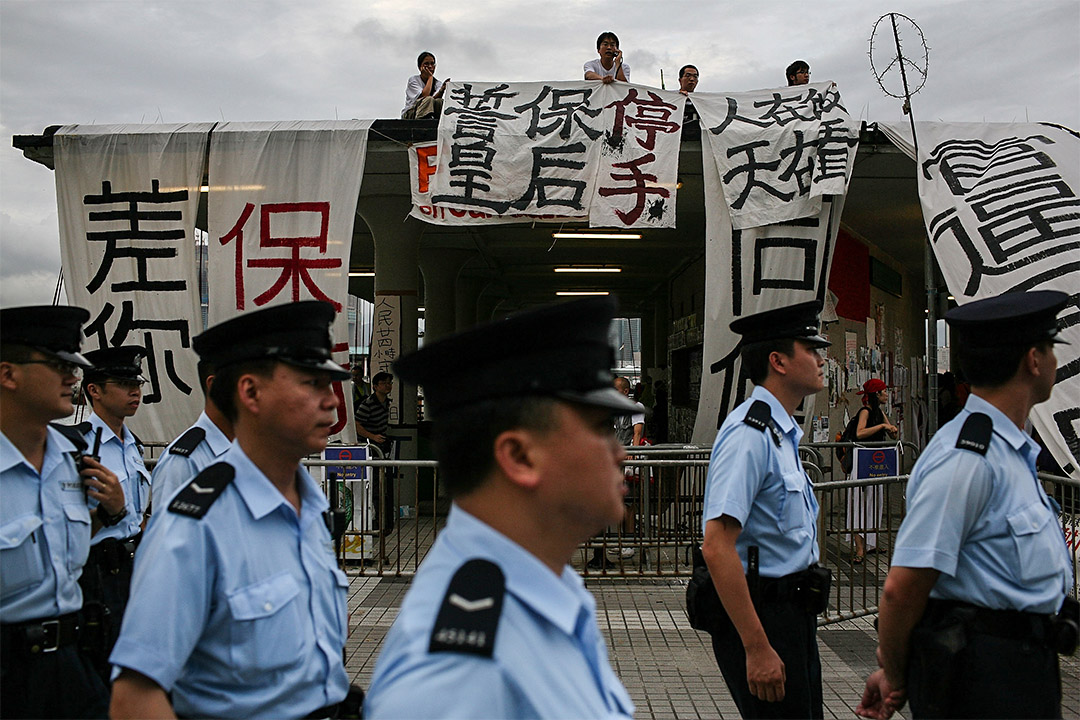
(865,503)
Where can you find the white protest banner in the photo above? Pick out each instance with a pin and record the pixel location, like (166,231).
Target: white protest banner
(127,197)
(608,152)
(281,210)
(1002,213)
(786,258)
(386,344)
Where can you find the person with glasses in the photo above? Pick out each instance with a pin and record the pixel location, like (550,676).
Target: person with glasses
(45,519)
(688,79)
(798,73)
(113,387)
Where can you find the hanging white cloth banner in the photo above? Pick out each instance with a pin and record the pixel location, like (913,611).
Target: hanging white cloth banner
(1001,206)
(126,198)
(281,210)
(573,150)
(779,160)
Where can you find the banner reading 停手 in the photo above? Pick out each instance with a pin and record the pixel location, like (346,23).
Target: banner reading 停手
(572,150)
(126,199)
(1001,206)
(281,209)
(781,161)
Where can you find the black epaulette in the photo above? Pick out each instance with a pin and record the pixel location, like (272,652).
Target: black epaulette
(469,616)
(199,494)
(83,427)
(759,417)
(186,443)
(74,435)
(976,433)
(138,441)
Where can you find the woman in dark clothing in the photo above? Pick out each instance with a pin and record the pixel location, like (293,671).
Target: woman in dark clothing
(865,503)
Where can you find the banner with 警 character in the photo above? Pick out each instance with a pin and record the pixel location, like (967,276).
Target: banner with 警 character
(127,197)
(608,153)
(281,209)
(1001,203)
(776,164)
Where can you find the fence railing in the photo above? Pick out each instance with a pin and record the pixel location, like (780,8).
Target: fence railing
(396,510)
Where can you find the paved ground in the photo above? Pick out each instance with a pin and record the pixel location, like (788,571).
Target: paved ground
(667,666)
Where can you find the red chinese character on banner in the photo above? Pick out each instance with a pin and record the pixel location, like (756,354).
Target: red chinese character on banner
(640,189)
(295,269)
(651,115)
(339,392)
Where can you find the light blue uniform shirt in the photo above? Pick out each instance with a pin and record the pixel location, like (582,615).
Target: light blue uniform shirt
(549,660)
(241,613)
(124,458)
(44,532)
(765,488)
(174,471)
(984,521)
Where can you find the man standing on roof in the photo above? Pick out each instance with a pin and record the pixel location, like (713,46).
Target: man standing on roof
(609,67)
(760,524)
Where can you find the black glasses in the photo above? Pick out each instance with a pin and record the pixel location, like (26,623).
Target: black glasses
(126,384)
(61,366)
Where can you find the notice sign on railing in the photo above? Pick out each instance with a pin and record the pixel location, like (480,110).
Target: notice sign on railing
(871,463)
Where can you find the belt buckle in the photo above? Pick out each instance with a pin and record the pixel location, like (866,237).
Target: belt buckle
(45,647)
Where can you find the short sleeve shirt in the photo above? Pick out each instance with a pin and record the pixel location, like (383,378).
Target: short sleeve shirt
(174,470)
(549,660)
(240,613)
(984,521)
(764,487)
(44,532)
(124,457)
(595,66)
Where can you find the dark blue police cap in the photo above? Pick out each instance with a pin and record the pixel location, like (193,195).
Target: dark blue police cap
(123,362)
(560,351)
(796,322)
(55,330)
(295,333)
(1015,318)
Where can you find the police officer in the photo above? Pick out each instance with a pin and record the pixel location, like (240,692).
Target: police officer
(196,448)
(496,623)
(237,605)
(980,566)
(45,521)
(113,386)
(759,502)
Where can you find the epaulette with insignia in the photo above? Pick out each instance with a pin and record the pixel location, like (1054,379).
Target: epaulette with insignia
(976,433)
(199,494)
(73,434)
(759,417)
(469,616)
(186,443)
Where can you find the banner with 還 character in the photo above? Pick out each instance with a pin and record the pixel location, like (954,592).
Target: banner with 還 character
(126,199)
(776,164)
(281,209)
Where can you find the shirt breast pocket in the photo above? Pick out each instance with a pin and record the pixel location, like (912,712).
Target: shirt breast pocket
(78,534)
(267,629)
(793,514)
(341,594)
(1035,538)
(20,555)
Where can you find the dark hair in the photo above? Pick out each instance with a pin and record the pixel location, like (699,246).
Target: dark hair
(606,35)
(205,369)
(990,367)
(794,68)
(12,353)
(223,389)
(620,381)
(420,58)
(684,68)
(464,438)
(755,357)
(380,376)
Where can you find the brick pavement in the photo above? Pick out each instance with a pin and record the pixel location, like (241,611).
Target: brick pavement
(667,666)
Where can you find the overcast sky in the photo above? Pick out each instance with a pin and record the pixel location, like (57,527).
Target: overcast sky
(146,61)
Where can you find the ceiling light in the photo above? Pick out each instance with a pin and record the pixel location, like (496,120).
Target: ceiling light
(595,236)
(361,273)
(587,269)
(575,293)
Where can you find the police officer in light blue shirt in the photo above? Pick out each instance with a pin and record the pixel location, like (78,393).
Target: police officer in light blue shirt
(496,623)
(238,608)
(195,449)
(45,521)
(759,501)
(968,624)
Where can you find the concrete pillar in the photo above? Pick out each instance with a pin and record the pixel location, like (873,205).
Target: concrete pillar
(467,293)
(648,342)
(440,267)
(661,326)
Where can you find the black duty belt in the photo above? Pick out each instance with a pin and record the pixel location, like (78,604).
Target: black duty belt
(783,589)
(41,636)
(112,555)
(1006,624)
